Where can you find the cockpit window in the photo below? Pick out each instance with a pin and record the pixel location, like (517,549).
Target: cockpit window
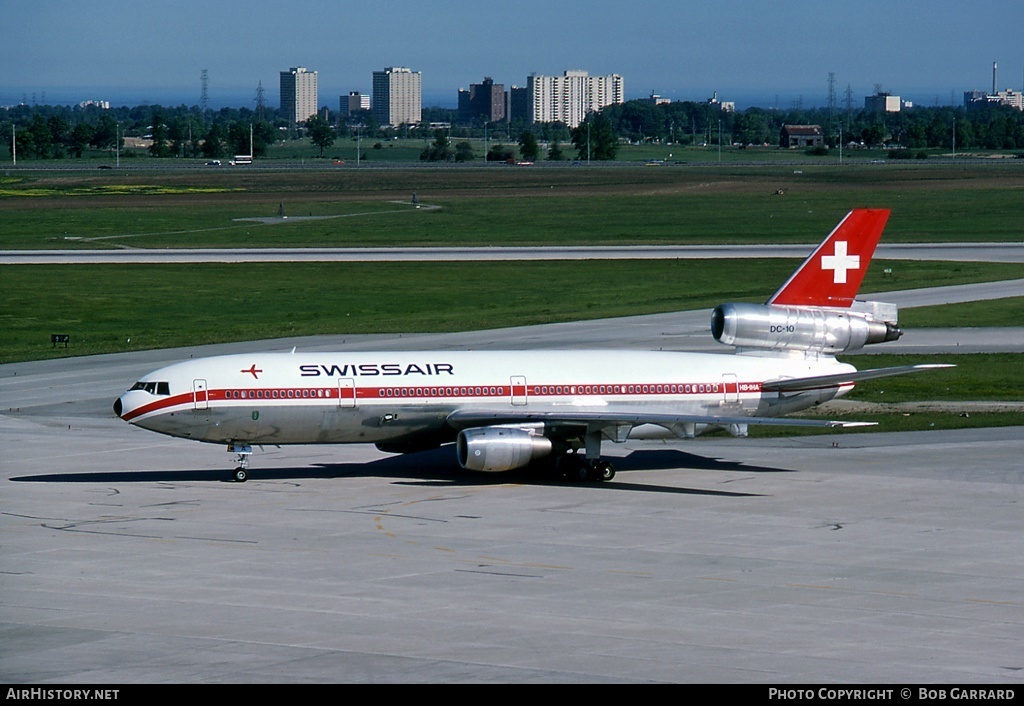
(153,388)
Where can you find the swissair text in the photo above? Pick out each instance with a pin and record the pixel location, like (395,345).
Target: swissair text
(371,369)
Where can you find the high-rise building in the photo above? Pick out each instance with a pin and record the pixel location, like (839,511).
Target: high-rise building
(570,97)
(519,104)
(298,94)
(483,101)
(397,96)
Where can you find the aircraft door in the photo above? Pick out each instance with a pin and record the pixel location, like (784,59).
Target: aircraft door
(730,388)
(346,392)
(200,395)
(518,384)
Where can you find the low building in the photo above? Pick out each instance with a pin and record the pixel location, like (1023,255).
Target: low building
(796,136)
(979,99)
(882,103)
(353,102)
(724,106)
(655,99)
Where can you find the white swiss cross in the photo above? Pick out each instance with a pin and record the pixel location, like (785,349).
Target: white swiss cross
(840,263)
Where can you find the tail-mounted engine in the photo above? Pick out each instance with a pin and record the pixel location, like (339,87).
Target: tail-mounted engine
(797,328)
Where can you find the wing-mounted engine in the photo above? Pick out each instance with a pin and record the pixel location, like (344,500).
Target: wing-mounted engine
(496,449)
(804,328)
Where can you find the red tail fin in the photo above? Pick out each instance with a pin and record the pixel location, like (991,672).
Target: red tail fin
(832,274)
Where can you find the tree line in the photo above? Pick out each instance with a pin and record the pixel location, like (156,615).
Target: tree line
(56,132)
(53,132)
(594,139)
(985,127)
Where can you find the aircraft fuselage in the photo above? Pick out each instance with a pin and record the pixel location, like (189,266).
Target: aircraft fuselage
(307,398)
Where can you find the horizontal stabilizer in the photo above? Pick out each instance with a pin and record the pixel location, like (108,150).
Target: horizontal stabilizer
(819,382)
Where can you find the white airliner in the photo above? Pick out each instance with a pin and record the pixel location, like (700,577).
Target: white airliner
(505,410)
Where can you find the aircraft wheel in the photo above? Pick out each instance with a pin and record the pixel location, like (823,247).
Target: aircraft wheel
(584,472)
(240,475)
(571,467)
(604,470)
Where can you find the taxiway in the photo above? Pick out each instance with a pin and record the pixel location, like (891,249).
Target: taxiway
(124,254)
(845,558)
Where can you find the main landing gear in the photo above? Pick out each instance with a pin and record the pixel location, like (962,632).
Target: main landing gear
(243,452)
(574,466)
(585,464)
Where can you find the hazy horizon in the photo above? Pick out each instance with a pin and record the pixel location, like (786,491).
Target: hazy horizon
(246,98)
(926,51)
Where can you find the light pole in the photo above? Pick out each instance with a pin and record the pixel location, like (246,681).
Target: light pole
(719,140)
(588,143)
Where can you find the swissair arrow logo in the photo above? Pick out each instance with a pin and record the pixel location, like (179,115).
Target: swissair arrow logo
(252,371)
(840,262)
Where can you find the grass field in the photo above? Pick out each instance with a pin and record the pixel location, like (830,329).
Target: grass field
(407,150)
(504,205)
(951,396)
(978,376)
(109,308)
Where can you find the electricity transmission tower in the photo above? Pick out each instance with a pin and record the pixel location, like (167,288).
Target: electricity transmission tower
(831,100)
(261,101)
(204,95)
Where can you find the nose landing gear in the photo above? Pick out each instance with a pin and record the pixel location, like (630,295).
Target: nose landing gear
(243,452)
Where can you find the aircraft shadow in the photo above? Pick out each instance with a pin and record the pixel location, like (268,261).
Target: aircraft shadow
(434,468)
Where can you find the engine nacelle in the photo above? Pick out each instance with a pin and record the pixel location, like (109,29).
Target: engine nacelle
(797,328)
(495,449)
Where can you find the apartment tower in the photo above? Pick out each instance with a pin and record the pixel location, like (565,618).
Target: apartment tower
(570,97)
(397,96)
(298,94)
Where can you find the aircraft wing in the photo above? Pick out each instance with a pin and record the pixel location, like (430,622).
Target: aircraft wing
(622,422)
(824,381)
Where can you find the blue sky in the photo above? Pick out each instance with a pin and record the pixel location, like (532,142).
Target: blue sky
(751,51)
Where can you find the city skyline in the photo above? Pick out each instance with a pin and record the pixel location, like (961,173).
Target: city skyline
(926,51)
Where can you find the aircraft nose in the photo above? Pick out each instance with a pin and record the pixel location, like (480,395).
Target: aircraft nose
(117,407)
